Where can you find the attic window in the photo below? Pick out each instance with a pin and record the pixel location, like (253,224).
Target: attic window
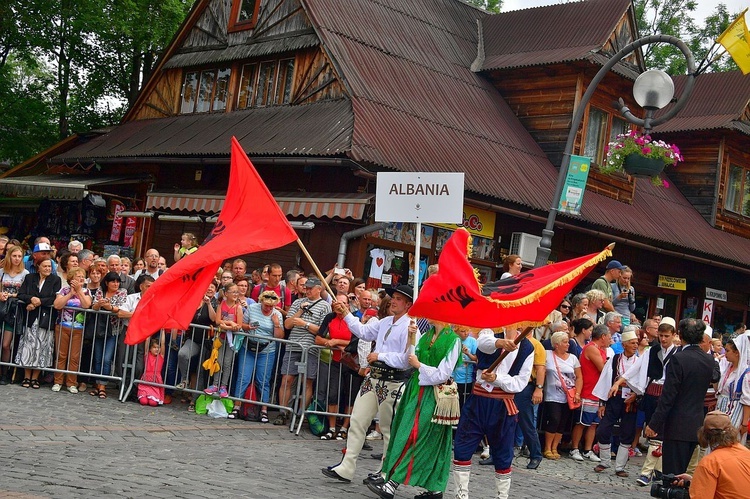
(244,15)
(601,128)
(205,91)
(737,197)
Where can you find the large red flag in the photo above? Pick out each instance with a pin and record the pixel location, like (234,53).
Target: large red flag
(250,221)
(455,296)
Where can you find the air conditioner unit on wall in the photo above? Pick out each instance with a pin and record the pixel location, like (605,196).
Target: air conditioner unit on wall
(524,245)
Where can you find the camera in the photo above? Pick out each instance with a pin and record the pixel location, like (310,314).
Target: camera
(667,489)
(255,323)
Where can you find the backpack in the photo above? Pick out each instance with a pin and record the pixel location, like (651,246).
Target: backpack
(250,412)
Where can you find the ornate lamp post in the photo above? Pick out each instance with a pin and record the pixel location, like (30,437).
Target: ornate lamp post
(652,90)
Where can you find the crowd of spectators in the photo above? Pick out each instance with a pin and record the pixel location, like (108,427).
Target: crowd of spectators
(600,374)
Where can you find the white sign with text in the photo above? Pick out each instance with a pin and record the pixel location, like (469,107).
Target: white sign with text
(419,197)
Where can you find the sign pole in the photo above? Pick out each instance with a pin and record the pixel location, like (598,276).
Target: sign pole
(417,249)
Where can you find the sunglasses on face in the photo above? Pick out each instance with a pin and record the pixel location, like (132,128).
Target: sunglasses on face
(565,306)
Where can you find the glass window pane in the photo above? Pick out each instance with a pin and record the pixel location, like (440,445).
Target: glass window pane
(222,90)
(265,83)
(204,94)
(247,9)
(247,85)
(189,90)
(619,127)
(734,188)
(286,78)
(594,147)
(746,195)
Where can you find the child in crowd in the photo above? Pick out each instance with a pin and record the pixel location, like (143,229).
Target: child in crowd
(153,363)
(229,321)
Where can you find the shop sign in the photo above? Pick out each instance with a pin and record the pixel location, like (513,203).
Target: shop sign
(477,221)
(716,294)
(669,282)
(708,311)
(419,197)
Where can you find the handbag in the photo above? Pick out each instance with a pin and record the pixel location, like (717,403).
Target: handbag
(570,393)
(8,310)
(447,409)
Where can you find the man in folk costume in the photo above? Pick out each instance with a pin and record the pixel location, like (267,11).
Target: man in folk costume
(421,434)
(491,409)
(382,388)
(646,377)
(617,404)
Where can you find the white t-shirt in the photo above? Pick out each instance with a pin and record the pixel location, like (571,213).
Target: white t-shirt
(553,390)
(378,262)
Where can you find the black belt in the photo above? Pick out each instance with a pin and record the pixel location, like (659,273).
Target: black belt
(382,371)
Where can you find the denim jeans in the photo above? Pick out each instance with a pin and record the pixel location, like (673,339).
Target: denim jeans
(256,367)
(104,352)
(527,421)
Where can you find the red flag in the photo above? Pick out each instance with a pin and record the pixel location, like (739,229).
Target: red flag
(454,295)
(250,221)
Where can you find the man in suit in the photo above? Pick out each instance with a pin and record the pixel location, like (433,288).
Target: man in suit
(679,413)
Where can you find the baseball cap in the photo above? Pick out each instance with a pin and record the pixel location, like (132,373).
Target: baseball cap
(614,264)
(42,247)
(312,282)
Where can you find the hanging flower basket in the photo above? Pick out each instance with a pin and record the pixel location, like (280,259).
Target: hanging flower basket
(639,156)
(637,165)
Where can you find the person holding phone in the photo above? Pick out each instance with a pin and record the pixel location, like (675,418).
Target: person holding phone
(623,295)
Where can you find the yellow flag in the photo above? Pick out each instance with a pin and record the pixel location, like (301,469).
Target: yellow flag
(737,42)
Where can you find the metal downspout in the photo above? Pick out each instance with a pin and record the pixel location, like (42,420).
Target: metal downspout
(355,233)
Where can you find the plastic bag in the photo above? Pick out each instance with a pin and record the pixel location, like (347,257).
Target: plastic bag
(216,409)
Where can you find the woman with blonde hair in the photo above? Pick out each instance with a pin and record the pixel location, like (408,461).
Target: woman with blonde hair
(69,331)
(594,312)
(12,275)
(563,372)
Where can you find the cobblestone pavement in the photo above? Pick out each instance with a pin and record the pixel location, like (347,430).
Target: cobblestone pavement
(62,445)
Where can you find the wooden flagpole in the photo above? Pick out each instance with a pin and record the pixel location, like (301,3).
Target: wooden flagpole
(518,340)
(316,269)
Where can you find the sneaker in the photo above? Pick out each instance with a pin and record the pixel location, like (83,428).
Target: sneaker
(575,454)
(181,385)
(485,452)
(211,390)
(374,435)
(56,387)
(643,480)
(281,419)
(73,389)
(223,393)
(591,457)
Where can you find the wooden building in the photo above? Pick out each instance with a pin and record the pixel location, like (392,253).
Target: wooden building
(322,98)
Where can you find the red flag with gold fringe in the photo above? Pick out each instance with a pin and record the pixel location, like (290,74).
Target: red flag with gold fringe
(250,221)
(454,294)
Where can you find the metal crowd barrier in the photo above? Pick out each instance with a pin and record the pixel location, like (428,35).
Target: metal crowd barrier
(74,344)
(190,376)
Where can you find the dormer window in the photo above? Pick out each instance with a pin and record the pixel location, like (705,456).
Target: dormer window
(244,15)
(205,91)
(738,190)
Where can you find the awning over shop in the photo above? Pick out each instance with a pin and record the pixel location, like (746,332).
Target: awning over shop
(62,187)
(294,204)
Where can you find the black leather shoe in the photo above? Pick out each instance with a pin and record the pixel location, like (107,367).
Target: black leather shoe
(487,461)
(374,478)
(429,495)
(328,471)
(366,446)
(377,456)
(533,464)
(378,489)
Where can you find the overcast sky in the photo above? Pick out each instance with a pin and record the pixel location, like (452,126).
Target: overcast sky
(705,7)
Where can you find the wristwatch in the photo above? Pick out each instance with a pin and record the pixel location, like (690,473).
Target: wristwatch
(307,326)
(541,387)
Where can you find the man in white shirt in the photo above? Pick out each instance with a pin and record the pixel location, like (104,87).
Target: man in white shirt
(382,388)
(152,265)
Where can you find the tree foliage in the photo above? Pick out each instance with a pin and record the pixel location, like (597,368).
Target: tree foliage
(488,5)
(83,60)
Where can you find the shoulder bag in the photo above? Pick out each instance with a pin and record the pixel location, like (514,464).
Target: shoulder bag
(570,393)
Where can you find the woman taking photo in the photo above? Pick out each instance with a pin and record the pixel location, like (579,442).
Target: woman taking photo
(36,347)
(111,299)
(12,275)
(256,357)
(69,332)
(563,372)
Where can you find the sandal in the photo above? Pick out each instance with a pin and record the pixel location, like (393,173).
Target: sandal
(263,417)
(327,436)
(181,385)
(95,391)
(235,414)
(35,384)
(26,383)
(191,407)
(341,435)
(102,393)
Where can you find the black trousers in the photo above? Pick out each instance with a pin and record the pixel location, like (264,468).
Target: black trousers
(676,456)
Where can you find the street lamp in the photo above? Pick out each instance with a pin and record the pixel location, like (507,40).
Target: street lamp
(652,90)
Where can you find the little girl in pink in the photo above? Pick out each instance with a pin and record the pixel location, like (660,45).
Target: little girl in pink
(154,361)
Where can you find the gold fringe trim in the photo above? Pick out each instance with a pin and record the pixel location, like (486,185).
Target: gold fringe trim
(447,410)
(603,255)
